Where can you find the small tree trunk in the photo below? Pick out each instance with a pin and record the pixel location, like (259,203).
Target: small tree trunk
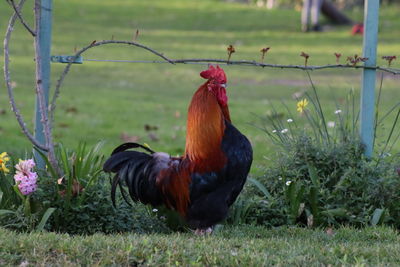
(40,93)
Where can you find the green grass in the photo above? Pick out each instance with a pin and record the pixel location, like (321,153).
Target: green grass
(100,101)
(239,246)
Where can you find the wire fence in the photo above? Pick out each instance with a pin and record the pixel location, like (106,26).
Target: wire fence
(394,71)
(352,62)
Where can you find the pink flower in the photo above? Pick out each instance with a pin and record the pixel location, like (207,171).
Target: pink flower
(25,166)
(26,178)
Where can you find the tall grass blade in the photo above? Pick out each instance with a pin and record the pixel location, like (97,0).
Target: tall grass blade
(8,195)
(396,139)
(377,217)
(391,131)
(377,110)
(45,218)
(319,106)
(6,212)
(260,187)
(48,165)
(290,113)
(314,124)
(389,112)
(64,160)
(312,171)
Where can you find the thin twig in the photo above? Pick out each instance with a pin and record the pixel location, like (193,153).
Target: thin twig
(21,19)
(84,49)
(7,79)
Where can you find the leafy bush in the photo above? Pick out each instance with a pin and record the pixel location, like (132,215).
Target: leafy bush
(17,208)
(95,212)
(77,203)
(321,176)
(82,198)
(322,187)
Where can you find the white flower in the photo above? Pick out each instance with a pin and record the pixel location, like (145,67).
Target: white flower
(331,124)
(288,183)
(289,120)
(274,131)
(155,210)
(284,131)
(338,111)
(280,178)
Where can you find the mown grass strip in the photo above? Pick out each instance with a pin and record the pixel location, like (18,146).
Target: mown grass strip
(232,246)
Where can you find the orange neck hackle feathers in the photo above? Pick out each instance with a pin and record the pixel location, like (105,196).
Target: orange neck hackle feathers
(207,113)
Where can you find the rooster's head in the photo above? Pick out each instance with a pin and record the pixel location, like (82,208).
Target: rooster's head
(216,83)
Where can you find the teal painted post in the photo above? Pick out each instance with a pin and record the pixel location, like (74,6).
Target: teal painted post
(44,35)
(371,20)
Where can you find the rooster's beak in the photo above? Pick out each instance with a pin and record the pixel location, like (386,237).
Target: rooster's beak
(223,85)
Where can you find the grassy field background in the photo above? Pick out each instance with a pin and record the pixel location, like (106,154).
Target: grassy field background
(103,100)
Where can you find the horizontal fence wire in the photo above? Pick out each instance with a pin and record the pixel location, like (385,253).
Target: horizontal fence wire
(144,61)
(247,63)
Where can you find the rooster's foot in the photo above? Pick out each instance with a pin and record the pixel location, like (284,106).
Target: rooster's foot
(202,232)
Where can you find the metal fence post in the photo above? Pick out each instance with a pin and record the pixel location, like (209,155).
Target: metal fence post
(44,35)
(371,20)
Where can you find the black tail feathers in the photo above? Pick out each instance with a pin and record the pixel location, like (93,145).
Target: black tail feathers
(127,146)
(135,169)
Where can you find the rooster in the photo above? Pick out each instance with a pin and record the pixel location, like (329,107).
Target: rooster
(203,183)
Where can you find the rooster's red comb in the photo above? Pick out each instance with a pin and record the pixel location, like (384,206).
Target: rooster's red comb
(214,73)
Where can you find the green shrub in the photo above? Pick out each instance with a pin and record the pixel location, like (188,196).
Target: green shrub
(82,198)
(77,203)
(96,212)
(347,188)
(321,176)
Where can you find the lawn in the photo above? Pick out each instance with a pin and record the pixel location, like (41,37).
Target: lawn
(232,246)
(112,102)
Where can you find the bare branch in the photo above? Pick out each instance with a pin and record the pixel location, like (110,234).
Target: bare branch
(7,79)
(80,52)
(279,66)
(389,70)
(253,64)
(21,19)
(47,130)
